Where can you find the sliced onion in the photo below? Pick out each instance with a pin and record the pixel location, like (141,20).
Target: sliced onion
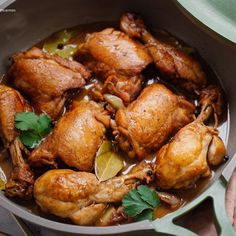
(114,101)
(170,199)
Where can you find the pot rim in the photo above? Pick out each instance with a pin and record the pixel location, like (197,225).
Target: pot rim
(69,228)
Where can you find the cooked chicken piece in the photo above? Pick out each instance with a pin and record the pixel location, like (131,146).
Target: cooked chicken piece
(79,196)
(148,122)
(75,139)
(196,146)
(125,88)
(11,102)
(45,79)
(116,59)
(20,183)
(181,68)
(118,51)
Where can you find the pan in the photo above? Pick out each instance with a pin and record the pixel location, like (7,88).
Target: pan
(29,21)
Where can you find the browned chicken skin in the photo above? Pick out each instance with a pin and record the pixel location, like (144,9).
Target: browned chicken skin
(11,102)
(196,146)
(20,183)
(117,59)
(148,122)
(75,139)
(184,70)
(45,79)
(79,196)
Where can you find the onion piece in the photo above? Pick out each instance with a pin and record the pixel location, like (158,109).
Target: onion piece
(170,199)
(114,101)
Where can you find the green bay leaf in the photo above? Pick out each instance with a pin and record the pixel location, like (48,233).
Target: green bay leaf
(107,165)
(51,44)
(2,184)
(106,146)
(3,179)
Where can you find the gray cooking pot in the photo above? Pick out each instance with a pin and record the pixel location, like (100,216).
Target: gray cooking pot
(32,21)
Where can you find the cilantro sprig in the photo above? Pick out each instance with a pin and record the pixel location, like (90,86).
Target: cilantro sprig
(33,127)
(140,203)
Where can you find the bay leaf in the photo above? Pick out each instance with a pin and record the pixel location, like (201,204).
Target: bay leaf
(3,179)
(51,44)
(107,165)
(62,38)
(68,51)
(106,146)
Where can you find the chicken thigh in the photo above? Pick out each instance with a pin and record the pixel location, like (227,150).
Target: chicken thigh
(116,59)
(183,70)
(79,196)
(45,79)
(193,149)
(148,122)
(75,139)
(20,183)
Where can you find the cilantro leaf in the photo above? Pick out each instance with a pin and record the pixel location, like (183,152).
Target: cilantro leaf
(26,121)
(140,203)
(33,127)
(44,124)
(149,196)
(134,205)
(145,215)
(30,139)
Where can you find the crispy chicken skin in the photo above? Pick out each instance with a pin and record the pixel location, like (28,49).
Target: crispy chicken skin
(45,79)
(79,196)
(117,59)
(20,183)
(148,122)
(118,51)
(11,102)
(188,155)
(181,68)
(75,139)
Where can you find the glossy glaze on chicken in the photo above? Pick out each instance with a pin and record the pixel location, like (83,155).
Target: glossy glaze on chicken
(124,85)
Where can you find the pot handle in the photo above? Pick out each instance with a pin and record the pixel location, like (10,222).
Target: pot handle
(216,192)
(5,3)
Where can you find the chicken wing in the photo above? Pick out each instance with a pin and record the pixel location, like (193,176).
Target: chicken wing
(45,79)
(117,59)
(183,70)
(20,183)
(188,155)
(148,122)
(75,139)
(79,196)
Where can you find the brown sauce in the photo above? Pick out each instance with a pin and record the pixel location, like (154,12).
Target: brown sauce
(151,77)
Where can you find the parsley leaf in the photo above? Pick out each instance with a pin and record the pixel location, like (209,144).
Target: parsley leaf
(134,204)
(149,196)
(145,215)
(33,127)
(44,125)
(30,139)
(140,203)
(26,121)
